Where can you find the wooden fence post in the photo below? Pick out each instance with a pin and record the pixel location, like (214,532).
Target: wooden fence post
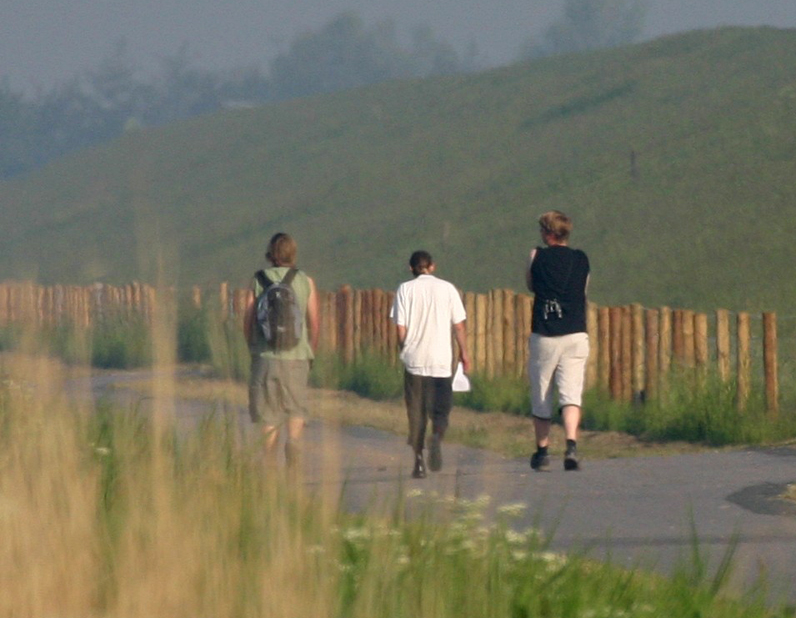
(524,309)
(329,322)
(366,321)
(723,344)
(604,349)
(357,315)
(770,363)
(223,300)
(381,316)
(666,343)
(519,342)
(688,338)
(701,354)
(470,325)
(496,336)
(637,334)
(509,333)
(616,388)
(392,330)
(678,342)
(743,364)
(85,307)
(3,304)
(481,308)
(241,298)
(652,350)
(594,345)
(345,309)
(627,354)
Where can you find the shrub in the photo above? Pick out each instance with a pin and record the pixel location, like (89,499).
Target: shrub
(504,394)
(193,345)
(121,344)
(369,375)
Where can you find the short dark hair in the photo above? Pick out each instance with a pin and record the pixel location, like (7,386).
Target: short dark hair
(420,261)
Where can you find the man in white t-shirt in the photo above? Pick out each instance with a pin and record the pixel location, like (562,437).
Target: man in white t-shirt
(425,311)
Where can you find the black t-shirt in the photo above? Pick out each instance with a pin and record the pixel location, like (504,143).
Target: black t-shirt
(559,277)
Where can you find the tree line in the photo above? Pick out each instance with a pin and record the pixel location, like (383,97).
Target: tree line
(103,103)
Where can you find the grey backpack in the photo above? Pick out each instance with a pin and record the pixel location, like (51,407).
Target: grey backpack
(278,313)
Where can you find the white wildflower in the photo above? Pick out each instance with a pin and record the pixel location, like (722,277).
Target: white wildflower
(512,510)
(516,538)
(356,534)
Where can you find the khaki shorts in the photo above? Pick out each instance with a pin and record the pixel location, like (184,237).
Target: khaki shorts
(559,361)
(277,390)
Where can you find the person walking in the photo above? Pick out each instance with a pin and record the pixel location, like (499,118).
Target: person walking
(280,363)
(558,277)
(425,310)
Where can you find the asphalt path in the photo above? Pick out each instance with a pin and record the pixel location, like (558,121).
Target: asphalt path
(649,512)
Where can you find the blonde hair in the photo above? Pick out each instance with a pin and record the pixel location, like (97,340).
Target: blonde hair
(556,223)
(282,250)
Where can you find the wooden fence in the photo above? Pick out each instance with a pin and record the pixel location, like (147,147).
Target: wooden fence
(633,349)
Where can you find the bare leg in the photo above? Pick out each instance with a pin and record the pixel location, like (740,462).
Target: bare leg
(571,417)
(270,438)
(295,429)
(541,428)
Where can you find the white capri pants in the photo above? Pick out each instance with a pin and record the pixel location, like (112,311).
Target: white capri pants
(560,361)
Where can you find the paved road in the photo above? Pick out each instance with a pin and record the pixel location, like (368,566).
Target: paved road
(635,511)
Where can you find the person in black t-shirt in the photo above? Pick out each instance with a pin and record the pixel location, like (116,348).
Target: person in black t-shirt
(559,346)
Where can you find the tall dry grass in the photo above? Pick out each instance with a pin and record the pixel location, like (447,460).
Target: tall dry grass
(115,512)
(121,512)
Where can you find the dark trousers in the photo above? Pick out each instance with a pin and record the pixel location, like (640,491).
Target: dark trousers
(426,397)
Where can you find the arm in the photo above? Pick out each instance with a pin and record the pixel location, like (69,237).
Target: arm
(528,279)
(313,316)
(461,338)
(401,336)
(248,318)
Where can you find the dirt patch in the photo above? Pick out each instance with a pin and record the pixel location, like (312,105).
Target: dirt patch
(502,433)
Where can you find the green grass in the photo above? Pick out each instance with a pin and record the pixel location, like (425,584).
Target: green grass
(118,514)
(111,344)
(462,166)
(700,410)
(705,412)
(369,376)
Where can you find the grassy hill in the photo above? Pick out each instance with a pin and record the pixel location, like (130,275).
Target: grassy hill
(701,214)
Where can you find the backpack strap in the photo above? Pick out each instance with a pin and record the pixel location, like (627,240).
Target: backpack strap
(289,276)
(265,282)
(262,279)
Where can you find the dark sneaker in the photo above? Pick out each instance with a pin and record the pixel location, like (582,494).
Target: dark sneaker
(435,453)
(420,468)
(540,462)
(571,461)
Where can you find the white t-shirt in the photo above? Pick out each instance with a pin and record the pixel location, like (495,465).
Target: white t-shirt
(428,307)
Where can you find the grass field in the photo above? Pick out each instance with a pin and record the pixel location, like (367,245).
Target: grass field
(105,512)
(699,215)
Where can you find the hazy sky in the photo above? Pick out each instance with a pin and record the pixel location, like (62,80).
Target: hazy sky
(46,42)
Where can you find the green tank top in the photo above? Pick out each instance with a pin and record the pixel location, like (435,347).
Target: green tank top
(301,286)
